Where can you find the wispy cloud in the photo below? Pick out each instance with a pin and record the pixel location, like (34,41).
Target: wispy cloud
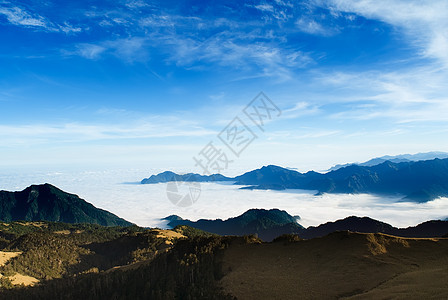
(301,109)
(89,51)
(311,26)
(68,28)
(79,132)
(136,4)
(406,96)
(255,48)
(226,49)
(264,7)
(129,49)
(424,23)
(20,17)
(230,50)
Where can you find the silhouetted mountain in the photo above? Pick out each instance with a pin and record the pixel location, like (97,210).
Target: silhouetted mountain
(368,225)
(416,181)
(267,224)
(355,224)
(48,203)
(270,175)
(396,159)
(168,176)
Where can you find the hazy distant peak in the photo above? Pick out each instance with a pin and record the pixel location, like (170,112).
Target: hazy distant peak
(395,159)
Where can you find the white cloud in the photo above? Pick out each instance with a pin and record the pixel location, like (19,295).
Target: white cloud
(154,127)
(20,17)
(233,49)
(406,96)
(264,7)
(218,201)
(68,28)
(17,16)
(301,109)
(128,49)
(280,12)
(308,25)
(423,22)
(136,4)
(157,21)
(89,51)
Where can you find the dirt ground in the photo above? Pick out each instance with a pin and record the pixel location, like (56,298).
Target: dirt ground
(340,265)
(5,256)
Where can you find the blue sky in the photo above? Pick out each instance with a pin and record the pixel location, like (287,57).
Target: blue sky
(149,83)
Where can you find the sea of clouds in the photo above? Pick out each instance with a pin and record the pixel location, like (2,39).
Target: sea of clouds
(119,192)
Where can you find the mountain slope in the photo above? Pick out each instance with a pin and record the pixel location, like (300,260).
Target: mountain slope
(46,202)
(339,265)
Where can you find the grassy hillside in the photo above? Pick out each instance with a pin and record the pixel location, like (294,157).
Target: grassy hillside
(191,269)
(57,250)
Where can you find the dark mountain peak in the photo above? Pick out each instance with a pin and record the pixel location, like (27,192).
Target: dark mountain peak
(168,176)
(268,224)
(276,215)
(273,168)
(389,164)
(45,188)
(168,173)
(356,222)
(362,220)
(349,170)
(173,218)
(48,203)
(311,173)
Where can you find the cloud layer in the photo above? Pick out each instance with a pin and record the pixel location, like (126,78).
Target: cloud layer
(222,201)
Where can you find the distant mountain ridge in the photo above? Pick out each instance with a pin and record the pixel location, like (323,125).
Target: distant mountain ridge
(168,176)
(48,203)
(269,224)
(396,159)
(418,181)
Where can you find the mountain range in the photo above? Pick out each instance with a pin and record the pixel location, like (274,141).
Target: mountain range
(418,181)
(46,202)
(396,159)
(269,224)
